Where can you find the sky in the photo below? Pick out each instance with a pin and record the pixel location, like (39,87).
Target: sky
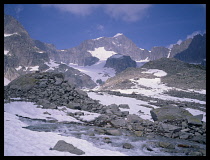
(147,25)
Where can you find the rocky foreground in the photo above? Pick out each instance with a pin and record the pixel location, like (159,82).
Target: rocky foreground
(50,90)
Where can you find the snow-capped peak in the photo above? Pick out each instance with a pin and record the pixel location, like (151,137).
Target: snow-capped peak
(118,34)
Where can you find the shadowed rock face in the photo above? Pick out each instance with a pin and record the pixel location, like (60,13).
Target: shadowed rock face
(120,62)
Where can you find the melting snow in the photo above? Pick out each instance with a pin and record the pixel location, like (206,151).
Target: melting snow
(18,68)
(144,60)
(52,64)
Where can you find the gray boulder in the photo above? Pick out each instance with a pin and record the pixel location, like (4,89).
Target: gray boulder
(169,113)
(118,122)
(114,132)
(193,120)
(66,147)
(133,118)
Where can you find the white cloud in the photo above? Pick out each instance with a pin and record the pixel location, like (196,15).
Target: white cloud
(78,9)
(126,12)
(100,27)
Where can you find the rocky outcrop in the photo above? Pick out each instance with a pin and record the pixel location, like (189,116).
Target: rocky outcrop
(119,62)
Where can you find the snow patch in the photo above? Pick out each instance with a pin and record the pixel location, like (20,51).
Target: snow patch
(6,52)
(118,34)
(98,38)
(18,68)
(34,68)
(101,53)
(144,60)
(6,81)
(7,35)
(156,72)
(52,64)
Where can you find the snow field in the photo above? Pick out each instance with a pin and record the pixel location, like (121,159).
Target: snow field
(19,141)
(101,53)
(96,71)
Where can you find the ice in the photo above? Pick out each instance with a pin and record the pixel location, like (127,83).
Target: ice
(98,38)
(101,53)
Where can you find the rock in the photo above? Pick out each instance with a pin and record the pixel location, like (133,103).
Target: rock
(66,147)
(183,145)
(124,113)
(46,104)
(114,132)
(139,133)
(169,113)
(195,153)
(193,120)
(166,145)
(128,146)
(118,122)
(124,106)
(199,139)
(185,135)
(107,140)
(167,127)
(58,80)
(137,127)
(133,118)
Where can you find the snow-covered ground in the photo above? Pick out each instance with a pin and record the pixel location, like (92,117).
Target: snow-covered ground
(96,71)
(153,87)
(19,141)
(134,104)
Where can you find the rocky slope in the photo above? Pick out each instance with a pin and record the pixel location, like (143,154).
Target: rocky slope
(179,75)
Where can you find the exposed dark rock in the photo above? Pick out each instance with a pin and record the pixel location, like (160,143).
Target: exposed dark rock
(67,147)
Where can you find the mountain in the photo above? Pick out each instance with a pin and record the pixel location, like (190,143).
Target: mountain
(195,52)
(24,55)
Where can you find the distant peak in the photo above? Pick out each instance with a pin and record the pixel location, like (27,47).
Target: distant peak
(118,34)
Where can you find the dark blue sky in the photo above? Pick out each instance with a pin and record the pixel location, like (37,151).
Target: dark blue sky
(147,25)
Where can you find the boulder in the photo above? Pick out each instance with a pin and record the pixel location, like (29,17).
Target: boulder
(128,146)
(118,122)
(169,113)
(168,127)
(66,147)
(166,145)
(124,106)
(133,118)
(114,132)
(193,120)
